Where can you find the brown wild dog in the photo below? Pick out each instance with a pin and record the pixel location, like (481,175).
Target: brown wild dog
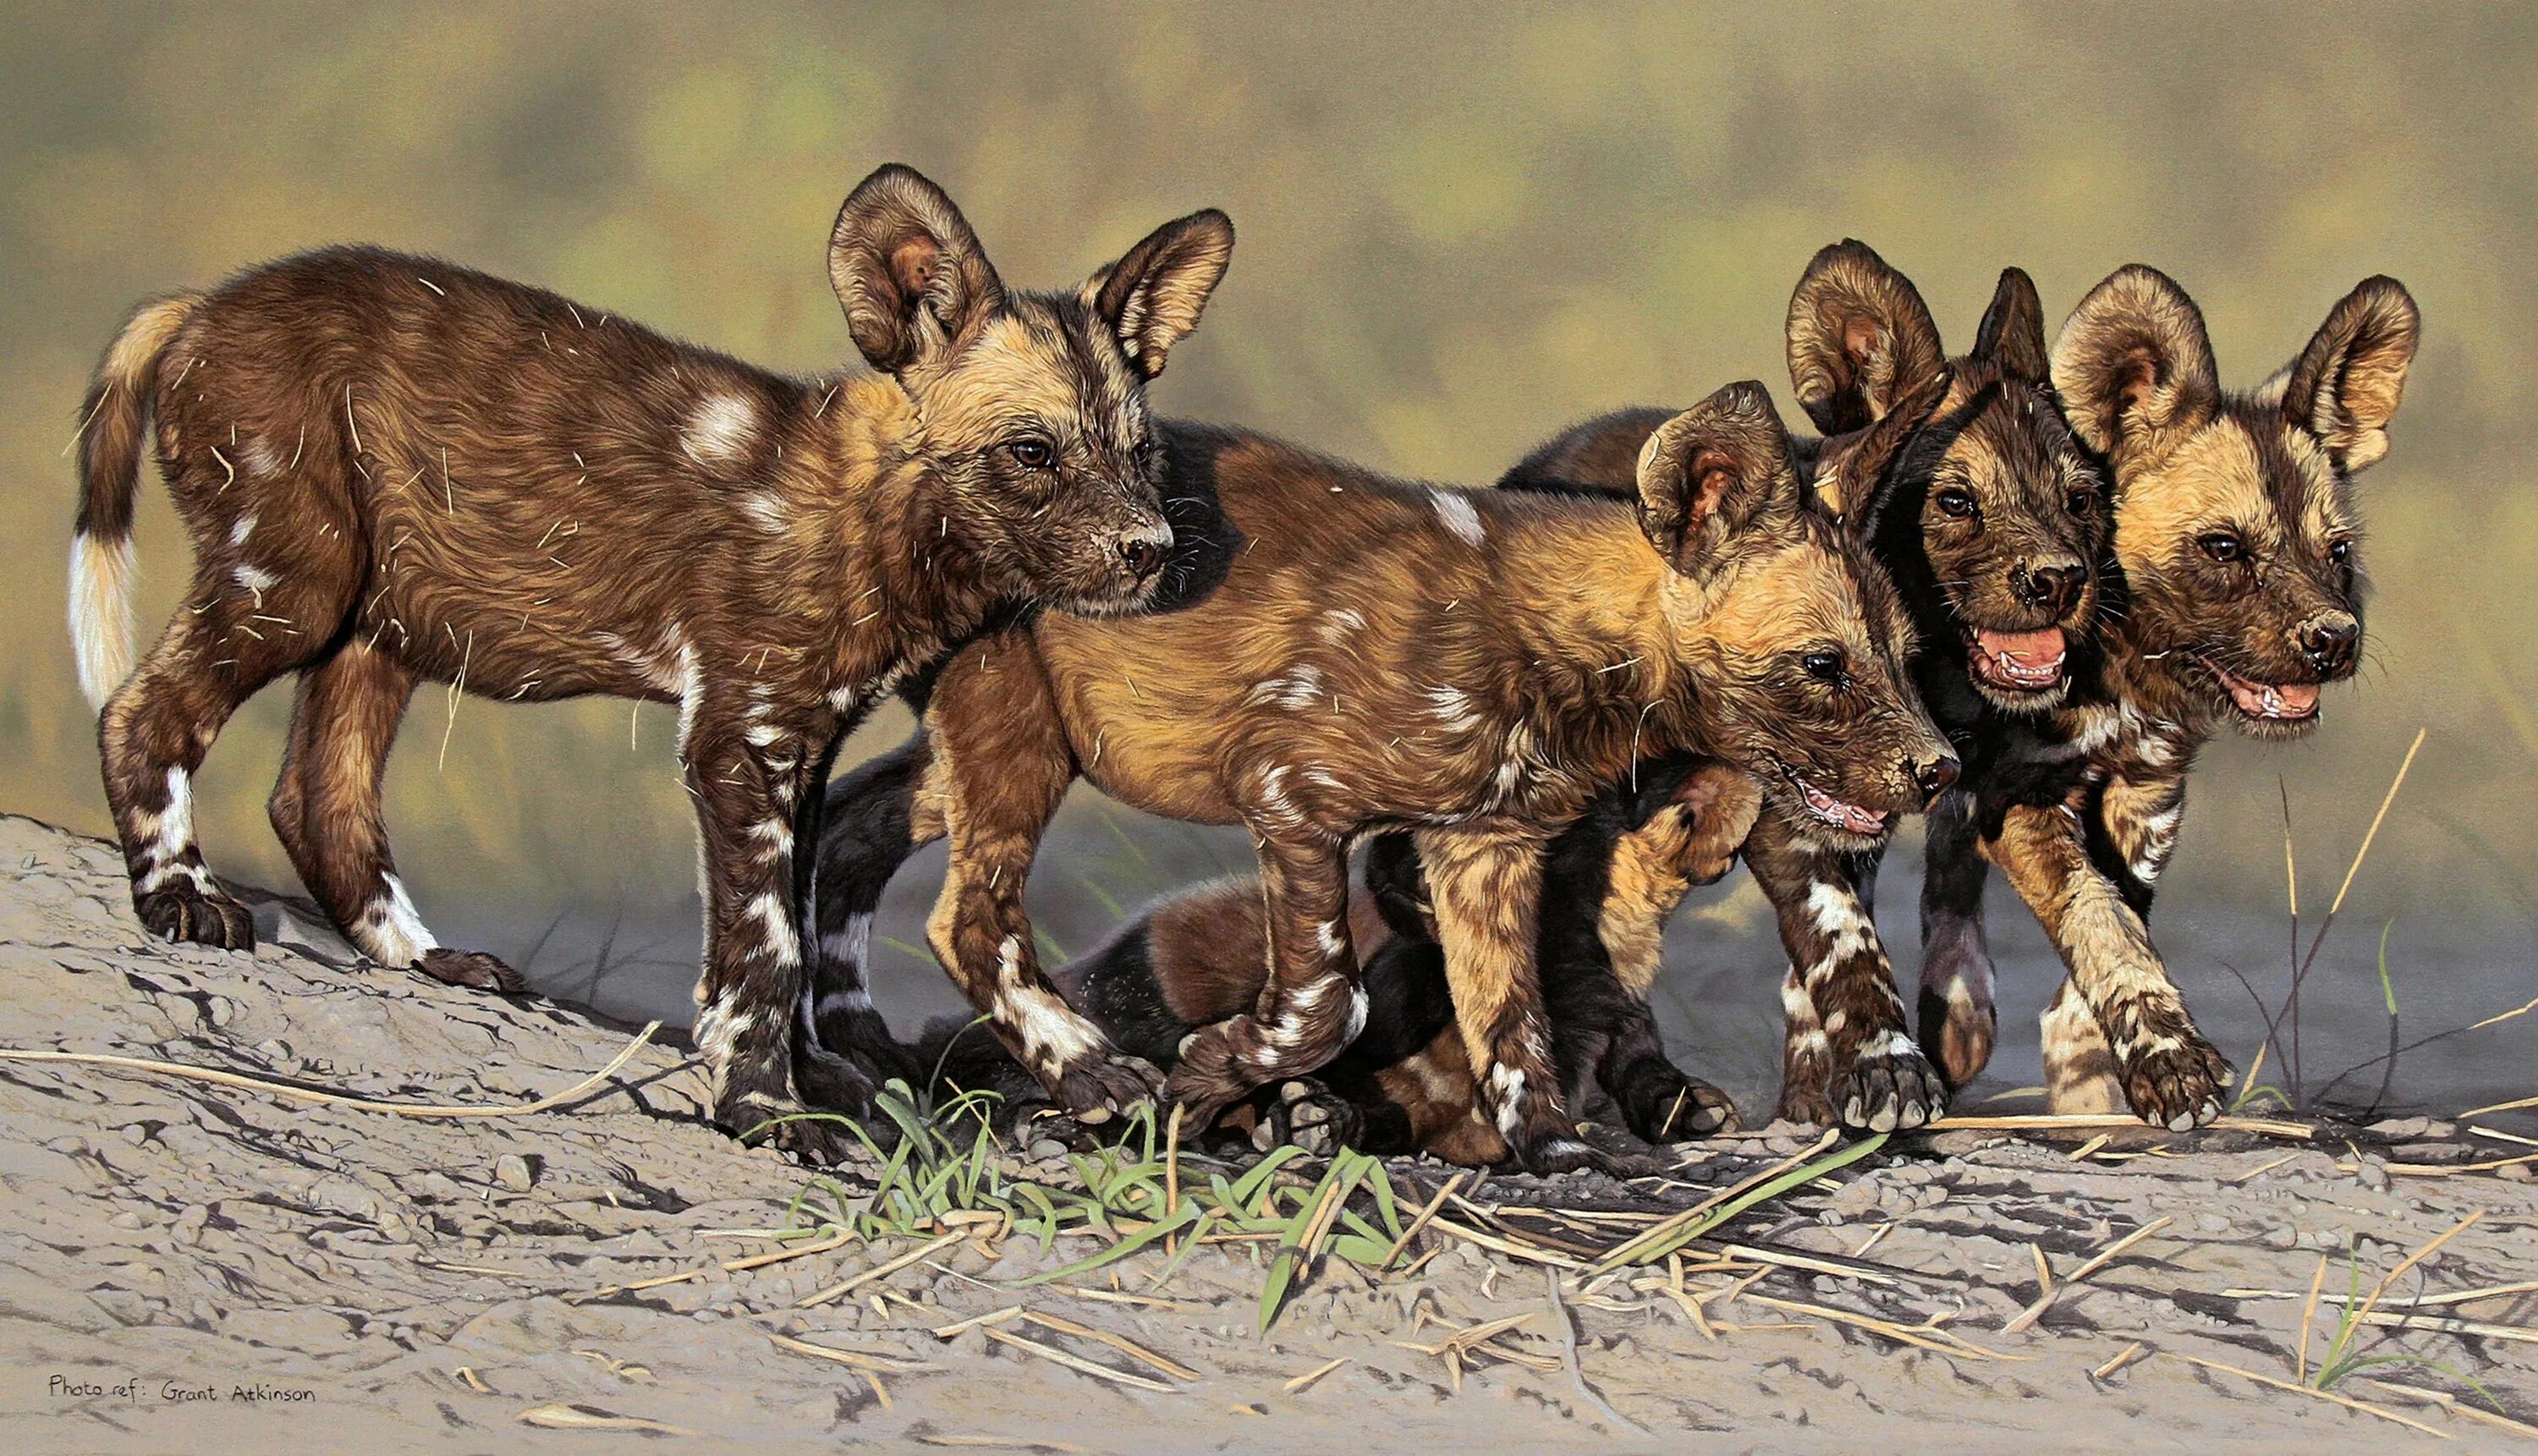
(396,469)
(2236,596)
(1471,666)
(1403,1084)
(1991,519)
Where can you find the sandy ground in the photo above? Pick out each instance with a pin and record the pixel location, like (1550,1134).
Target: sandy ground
(185,1267)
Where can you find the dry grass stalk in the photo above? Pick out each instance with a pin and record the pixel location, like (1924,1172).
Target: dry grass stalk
(2044,1271)
(1080,1365)
(2454,1406)
(1307,1380)
(1927,1339)
(2036,1311)
(1658,1233)
(854,1358)
(2426,1301)
(2415,1258)
(2092,1121)
(2346,1400)
(728,1265)
(2080,1153)
(1534,1253)
(1122,1296)
(592,1418)
(2121,1359)
(2257,1171)
(1124,1346)
(975,1321)
(1005,1444)
(1875,1274)
(2309,1318)
(218,1078)
(848,1286)
(2450,1170)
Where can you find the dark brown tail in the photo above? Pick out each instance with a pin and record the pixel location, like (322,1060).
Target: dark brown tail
(115,418)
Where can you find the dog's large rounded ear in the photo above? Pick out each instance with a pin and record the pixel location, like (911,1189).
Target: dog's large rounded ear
(1152,295)
(2012,336)
(2133,366)
(1857,483)
(1710,472)
(908,270)
(2345,385)
(1859,337)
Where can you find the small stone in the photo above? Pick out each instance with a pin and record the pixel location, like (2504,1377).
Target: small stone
(2397,1129)
(129,1219)
(1046,1149)
(512,1171)
(971,1344)
(188,1228)
(2515,1172)
(2372,1174)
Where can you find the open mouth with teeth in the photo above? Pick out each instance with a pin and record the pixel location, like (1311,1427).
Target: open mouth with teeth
(2017,661)
(1838,813)
(2271,703)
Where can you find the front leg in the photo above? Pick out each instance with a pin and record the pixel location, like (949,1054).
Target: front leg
(1958,1020)
(749,999)
(1847,1060)
(1487,891)
(2168,1073)
(1310,1007)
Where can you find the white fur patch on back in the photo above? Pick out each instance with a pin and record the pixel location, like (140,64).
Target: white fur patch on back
(102,614)
(255,578)
(720,427)
(245,528)
(1455,508)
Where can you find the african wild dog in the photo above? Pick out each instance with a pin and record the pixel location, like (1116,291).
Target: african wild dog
(1469,665)
(394,469)
(1992,520)
(1404,1084)
(2237,597)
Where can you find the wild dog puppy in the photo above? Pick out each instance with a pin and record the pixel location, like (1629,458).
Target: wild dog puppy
(1471,666)
(1991,518)
(396,469)
(1403,1084)
(2237,596)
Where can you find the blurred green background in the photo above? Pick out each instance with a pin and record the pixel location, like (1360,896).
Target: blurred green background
(1460,228)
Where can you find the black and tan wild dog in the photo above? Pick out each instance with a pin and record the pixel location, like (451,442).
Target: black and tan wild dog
(1470,665)
(397,470)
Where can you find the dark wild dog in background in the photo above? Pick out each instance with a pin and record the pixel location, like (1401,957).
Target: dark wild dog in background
(2239,596)
(1404,1084)
(1991,519)
(397,470)
(1472,666)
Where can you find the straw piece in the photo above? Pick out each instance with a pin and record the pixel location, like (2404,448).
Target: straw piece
(848,1286)
(1934,1339)
(218,1078)
(992,1317)
(2427,1302)
(2455,1406)
(2122,1356)
(2253,1173)
(1533,1252)
(2080,1153)
(1658,1234)
(2346,1400)
(2036,1311)
(854,1358)
(1006,1443)
(592,1418)
(2511,1106)
(2087,1121)
(1120,1344)
(1307,1380)
(1056,1356)
(2308,1317)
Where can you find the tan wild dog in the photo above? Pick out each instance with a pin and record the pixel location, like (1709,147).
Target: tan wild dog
(1471,666)
(397,470)
(1404,1083)
(1991,519)
(2239,596)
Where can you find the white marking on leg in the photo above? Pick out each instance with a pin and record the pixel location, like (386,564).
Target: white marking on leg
(775,919)
(1053,1037)
(1507,1096)
(171,834)
(389,929)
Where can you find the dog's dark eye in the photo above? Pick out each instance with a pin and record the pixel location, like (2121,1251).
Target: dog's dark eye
(2082,502)
(2340,551)
(2223,547)
(1826,667)
(1032,454)
(1955,501)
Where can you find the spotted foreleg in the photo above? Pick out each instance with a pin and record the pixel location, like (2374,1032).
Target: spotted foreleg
(874,821)
(1847,1060)
(1310,1007)
(1958,1020)
(2170,1075)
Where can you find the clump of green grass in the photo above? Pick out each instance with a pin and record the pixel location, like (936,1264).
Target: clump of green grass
(1143,1189)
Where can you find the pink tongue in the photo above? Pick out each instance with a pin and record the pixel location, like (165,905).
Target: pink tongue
(2025,648)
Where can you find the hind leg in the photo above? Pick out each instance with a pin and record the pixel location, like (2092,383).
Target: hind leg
(325,809)
(877,816)
(226,643)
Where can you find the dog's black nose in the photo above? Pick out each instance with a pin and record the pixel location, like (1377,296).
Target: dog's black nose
(1143,556)
(1937,777)
(2056,586)
(2330,642)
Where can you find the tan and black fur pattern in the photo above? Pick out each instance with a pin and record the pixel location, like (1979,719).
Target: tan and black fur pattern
(396,470)
(2237,596)
(1469,666)
(1991,517)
